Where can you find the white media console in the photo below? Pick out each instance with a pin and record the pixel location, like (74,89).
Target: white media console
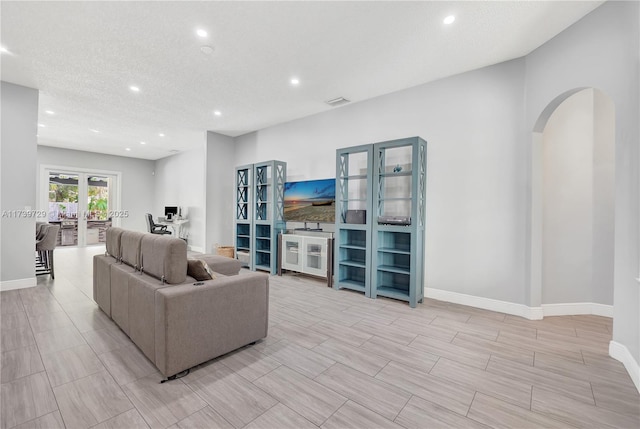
(308,252)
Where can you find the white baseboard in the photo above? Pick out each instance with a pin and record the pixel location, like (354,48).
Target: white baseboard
(621,353)
(573,308)
(535,313)
(18,284)
(532,313)
(602,310)
(196,249)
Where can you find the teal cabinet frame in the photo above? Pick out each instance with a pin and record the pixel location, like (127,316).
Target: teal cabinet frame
(269,180)
(260,213)
(354,211)
(384,256)
(399,196)
(243,220)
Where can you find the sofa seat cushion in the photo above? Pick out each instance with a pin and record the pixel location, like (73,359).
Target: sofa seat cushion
(221,264)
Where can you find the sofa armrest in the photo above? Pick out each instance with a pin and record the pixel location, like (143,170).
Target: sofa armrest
(194,324)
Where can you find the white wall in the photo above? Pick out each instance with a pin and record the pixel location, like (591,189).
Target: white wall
(475,219)
(180,181)
(17,159)
(479,131)
(137,185)
(604,185)
(601,51)
(578,170)
(220,190)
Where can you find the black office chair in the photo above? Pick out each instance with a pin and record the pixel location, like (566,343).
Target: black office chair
(154,228)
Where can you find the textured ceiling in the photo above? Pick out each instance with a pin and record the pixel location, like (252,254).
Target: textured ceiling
(83,56)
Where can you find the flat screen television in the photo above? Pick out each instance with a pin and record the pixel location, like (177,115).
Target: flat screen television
(310,201)
(170,212)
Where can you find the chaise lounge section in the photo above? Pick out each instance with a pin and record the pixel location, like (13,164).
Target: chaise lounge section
(176,321)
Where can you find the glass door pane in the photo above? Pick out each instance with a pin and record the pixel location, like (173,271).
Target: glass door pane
(98,208)
(315,256)
(63,206)
(291,249)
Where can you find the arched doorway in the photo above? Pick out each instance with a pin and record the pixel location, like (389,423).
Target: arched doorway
(572,218)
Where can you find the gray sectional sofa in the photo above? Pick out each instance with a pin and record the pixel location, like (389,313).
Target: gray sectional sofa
(142,284)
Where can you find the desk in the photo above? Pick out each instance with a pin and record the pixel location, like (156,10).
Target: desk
(175,225)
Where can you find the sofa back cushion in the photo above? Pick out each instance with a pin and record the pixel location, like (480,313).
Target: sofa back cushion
(164,258)
(113,242)
(130,248)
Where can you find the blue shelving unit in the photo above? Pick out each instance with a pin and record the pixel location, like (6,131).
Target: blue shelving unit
(268,219)
(243,217)
(353,219)
(398,230)
(259,213)
(380,219)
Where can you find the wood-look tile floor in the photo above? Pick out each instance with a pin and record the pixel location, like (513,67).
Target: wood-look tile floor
(333,359)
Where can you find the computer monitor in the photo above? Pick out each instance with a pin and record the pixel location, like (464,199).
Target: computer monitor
(170,212)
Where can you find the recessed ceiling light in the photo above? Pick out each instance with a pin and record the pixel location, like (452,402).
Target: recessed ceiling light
(143,142)
(127,149)
(49,112)
(207,49)
(295,81)
(217,112)
(93,130)
(449,19)
(161,134)
(134,88)
(41,125)
(202,33)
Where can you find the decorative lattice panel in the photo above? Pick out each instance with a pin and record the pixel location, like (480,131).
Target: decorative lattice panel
(280,179)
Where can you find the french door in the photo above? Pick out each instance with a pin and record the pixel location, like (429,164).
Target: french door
(82,202)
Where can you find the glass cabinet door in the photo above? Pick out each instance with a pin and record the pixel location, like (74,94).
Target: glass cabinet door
(292,252)
(315,256)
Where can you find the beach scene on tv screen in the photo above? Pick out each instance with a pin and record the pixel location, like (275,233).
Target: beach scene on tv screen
(310,201)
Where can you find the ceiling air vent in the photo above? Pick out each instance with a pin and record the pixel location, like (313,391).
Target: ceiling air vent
(337,102)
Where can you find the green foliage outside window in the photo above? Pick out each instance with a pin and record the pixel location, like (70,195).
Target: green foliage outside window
(63,193)
(98,203)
